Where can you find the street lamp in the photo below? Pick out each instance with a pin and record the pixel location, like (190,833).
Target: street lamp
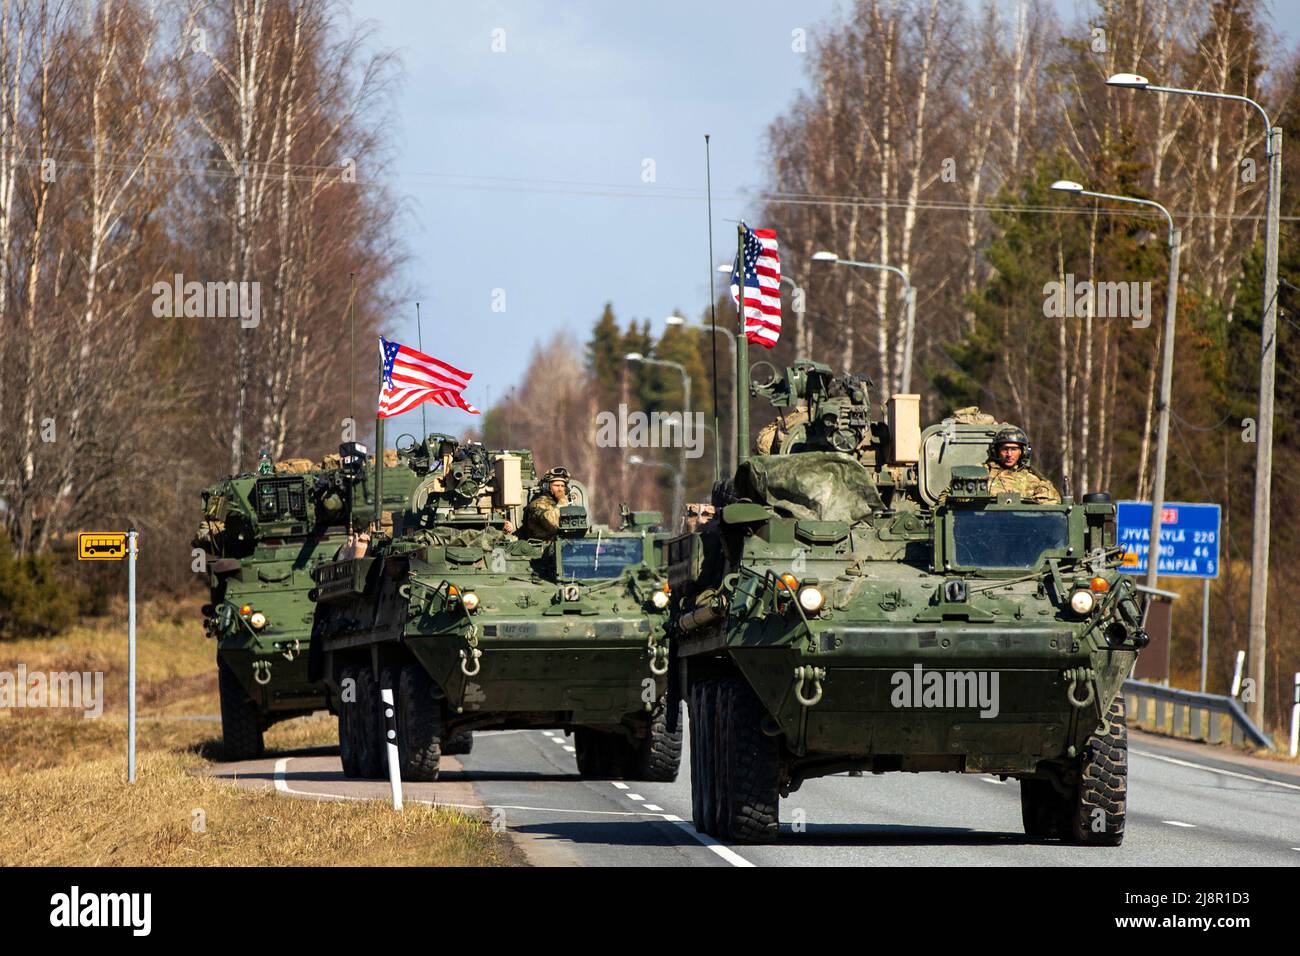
(686,385)
(677,320)
(1166,367)
(679,486)
(1267,374)
(909,328)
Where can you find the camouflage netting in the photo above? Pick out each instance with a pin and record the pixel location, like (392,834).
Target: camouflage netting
(812,486)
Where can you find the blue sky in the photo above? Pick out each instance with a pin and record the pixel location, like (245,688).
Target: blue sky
(523,170)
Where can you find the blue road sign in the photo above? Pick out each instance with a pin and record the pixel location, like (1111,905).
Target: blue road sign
(1189,538)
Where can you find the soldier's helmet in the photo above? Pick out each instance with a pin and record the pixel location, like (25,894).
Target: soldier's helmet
(1012,436)
(555,474)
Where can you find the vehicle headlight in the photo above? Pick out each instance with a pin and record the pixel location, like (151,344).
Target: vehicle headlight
(659,599)
(811,599)
(470,600)
(258,620)
(1082,602)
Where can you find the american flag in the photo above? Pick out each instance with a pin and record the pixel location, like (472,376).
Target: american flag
(411,377)
(762,286)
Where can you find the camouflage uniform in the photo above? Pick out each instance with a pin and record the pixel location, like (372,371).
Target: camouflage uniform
(1029,484)
(542,518)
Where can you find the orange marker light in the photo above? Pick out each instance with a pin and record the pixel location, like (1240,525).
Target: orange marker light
(789,581)
(1099,584)
(246,610)
(452,590)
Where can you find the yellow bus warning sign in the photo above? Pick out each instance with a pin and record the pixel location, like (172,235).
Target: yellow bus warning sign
(101,545)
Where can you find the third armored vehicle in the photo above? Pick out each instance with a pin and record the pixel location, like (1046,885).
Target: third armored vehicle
(473,628)
(262,533)
(863,603)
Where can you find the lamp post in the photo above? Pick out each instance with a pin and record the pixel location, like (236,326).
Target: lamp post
(1166,367)
(909,327)
(1267,373)
(679,485)
(686,385)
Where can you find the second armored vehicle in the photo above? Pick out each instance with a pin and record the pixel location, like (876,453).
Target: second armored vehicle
(475,629)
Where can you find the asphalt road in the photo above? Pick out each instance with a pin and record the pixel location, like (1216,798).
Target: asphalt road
(1189,805)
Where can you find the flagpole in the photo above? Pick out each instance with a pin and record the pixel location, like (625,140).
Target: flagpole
(379,449)
(419,331)
(742,358)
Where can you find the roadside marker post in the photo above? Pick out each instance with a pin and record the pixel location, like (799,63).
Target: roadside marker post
(1236,674)
(390,740)
(132,551)
(114,546)
(1295,719)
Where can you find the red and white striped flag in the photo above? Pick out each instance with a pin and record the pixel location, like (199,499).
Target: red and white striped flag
(411,377)
(762,286)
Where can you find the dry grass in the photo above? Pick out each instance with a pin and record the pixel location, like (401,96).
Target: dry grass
(85,814)
(64,799)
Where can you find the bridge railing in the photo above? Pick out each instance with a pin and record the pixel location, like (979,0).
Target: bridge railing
(1192,715)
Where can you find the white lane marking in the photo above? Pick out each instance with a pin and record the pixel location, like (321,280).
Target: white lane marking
(619,784)
(635,796)
(1226,773)
(1296,848)
(1179,823)
(571,750)
(651,806)
(993,780)
(548,733)
(557,740)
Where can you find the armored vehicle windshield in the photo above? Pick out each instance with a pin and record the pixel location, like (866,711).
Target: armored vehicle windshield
(1007,539)
(599,558)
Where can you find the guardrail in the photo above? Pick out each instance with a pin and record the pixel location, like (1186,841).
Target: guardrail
(1184,710)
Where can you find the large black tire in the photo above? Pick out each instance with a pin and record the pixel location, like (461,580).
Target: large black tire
(370,727)
(700,710)
(1098,816)
(659,754)
(419,725)
(349,740)
(241,724)
(458,743)
(750,767)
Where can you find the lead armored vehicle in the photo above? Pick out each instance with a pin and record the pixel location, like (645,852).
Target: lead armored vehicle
(864,603)
(474,628)
(262,533)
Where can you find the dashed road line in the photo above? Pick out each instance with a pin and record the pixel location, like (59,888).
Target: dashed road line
(570,749)
(619,784)
(651,806)
(1179,823)
(708,842)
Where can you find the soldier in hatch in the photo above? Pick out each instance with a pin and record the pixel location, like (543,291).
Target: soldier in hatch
(1009,469)
(542,516)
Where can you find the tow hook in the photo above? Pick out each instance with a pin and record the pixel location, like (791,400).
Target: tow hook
(262,672)
(291,652)
(658,659)
(1089,677)
(470,657)
(804,674)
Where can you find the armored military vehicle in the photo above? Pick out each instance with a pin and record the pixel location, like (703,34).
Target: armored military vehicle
(262,534)
(863,603)
(475,629)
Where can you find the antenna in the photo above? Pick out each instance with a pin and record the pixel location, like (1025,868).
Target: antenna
(352,365)
(419,332)
(713,317)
